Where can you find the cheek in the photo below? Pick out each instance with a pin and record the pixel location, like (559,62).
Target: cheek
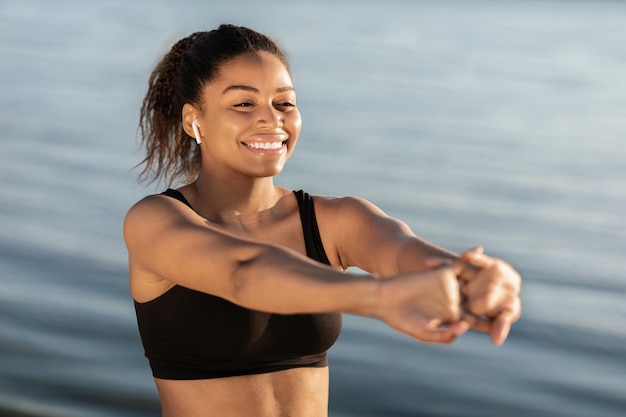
(295,122)
(230,125)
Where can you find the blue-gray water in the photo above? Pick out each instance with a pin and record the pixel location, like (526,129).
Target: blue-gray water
(501,123)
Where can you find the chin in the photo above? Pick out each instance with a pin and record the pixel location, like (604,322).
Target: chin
(270,172)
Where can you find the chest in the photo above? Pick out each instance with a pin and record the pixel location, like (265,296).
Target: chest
(187,330)
(285,231)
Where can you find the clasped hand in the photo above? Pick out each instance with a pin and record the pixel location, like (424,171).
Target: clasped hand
(475,292)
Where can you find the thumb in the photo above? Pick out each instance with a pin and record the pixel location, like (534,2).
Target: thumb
(501,327)
(475,255)
(457,267)
(477,249)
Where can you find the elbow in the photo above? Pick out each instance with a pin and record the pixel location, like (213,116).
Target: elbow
(240,278)
(248,278)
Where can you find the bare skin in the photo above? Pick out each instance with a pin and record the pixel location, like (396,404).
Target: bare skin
(301,392)
(243,242)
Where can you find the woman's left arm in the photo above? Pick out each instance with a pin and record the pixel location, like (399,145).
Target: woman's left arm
(356,233)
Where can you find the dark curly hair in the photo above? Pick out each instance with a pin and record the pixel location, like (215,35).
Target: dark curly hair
(178,79)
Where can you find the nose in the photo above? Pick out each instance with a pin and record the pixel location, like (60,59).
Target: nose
(270,117)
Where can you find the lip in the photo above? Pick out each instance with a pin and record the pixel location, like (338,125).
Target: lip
(274,143)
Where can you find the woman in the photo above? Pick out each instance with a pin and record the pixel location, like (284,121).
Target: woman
(239,284)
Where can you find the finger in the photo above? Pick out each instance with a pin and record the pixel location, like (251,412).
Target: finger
(477,257)
(476,249)
(464,273)
(457,267)
(443,334)
(478,323)
(501,327)
(470,272)
(458,328)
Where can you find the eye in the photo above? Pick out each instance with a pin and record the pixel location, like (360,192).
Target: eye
(244,104)
(286,104)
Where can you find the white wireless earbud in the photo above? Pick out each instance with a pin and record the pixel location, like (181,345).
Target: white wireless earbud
(196,131)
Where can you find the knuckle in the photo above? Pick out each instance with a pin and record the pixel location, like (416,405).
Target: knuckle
(478,305)
(501,267)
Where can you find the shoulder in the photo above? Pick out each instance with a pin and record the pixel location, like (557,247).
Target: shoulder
(341,218)
(144,208)
(157,204)
(345,217)
(348,206)
(350,214)
(154,212)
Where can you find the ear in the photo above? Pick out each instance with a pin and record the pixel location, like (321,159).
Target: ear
(190,113)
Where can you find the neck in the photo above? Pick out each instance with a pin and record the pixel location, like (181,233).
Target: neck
(234,200)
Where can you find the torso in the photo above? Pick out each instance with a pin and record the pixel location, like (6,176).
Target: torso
(292,392)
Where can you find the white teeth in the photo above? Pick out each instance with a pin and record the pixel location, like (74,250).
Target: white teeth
(266,145)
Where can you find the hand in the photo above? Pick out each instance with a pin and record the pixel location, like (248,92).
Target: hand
(425,305)
(491,290)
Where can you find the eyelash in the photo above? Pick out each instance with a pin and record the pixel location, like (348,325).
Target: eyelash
(247,104)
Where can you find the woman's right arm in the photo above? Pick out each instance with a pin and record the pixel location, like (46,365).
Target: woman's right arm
(168,243)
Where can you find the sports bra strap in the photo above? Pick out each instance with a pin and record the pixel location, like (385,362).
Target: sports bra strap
(177,195)
(312,238)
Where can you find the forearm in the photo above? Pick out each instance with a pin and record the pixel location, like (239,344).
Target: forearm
(282,281)
(413,252)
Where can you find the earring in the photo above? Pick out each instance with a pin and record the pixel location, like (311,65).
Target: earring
(196,131)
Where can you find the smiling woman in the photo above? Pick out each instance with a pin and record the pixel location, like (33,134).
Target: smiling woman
(239,284)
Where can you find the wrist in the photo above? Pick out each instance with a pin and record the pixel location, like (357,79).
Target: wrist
(366,296)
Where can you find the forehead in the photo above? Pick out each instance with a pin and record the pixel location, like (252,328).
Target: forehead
(259,68)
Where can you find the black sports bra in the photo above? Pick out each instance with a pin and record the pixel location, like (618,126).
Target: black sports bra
(188,334)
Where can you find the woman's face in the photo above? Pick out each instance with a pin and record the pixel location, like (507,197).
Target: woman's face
(249,120)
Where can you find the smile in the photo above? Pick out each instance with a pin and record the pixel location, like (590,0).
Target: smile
(265,145)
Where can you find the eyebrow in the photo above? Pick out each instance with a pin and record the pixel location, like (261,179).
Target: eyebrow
(254,89)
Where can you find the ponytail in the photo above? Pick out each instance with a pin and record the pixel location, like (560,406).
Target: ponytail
(160,122)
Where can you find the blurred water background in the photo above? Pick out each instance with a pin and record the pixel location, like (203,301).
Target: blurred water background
(499,123)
